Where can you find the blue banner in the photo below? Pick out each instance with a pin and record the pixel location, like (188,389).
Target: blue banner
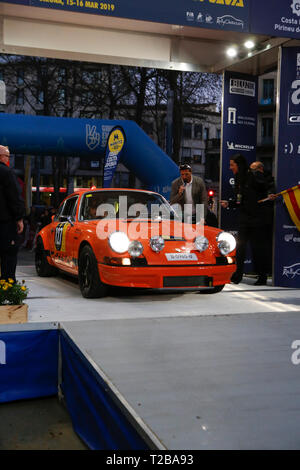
(279,18)
(231,15)
(115,145)
(28,364)
(287,237)
(239,121)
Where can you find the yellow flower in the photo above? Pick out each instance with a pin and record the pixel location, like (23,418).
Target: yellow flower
(11,281)
(23,288)
(5,287)
(2,281)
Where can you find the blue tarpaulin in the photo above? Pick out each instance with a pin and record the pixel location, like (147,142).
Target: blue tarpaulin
(37,363)
(96,417)
(28,366)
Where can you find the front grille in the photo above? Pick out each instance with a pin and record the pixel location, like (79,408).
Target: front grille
(188,281)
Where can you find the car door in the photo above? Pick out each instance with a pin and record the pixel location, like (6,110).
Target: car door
(62,234)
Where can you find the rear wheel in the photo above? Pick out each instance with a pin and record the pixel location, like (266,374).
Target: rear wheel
(43,268)
(89,280)
(214,290)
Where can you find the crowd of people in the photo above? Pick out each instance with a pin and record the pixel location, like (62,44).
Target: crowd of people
(33,223)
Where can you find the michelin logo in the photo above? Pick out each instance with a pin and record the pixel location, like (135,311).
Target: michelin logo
(291,271)
(239,147)
(228,20)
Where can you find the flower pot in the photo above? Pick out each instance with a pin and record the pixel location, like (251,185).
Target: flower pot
(13,313)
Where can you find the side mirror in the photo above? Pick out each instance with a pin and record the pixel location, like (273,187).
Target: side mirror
(69,219)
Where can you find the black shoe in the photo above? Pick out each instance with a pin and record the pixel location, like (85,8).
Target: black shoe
(261,281)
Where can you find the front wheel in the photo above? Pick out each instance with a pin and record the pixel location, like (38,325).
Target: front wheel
(43,268)
(89,280)
(214,290)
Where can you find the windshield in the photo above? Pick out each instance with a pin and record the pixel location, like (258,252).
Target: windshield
(125,205)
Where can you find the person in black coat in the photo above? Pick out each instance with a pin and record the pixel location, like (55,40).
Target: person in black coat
(12,210)
(250,187)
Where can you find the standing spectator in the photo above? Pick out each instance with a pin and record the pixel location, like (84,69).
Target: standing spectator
(188,191)
(12,211)
(250,187)
(267,209)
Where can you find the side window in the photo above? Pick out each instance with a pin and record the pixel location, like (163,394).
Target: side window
(69,209)
(58,213)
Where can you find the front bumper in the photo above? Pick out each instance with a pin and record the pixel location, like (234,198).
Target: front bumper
(158,277)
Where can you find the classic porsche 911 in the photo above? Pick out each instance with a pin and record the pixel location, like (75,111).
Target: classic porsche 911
(132,238)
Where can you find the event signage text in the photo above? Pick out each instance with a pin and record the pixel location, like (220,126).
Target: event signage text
(287,236)
(270,17)
(230,15)
(239,125)
(275,18)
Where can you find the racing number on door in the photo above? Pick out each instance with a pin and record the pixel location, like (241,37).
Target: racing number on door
(60,236)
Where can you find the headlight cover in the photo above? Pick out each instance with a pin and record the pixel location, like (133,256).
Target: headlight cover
(135,249)
(157,243)
(226,243)
(201,243)
(119,242)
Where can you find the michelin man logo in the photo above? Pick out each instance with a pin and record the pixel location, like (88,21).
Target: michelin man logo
(295,6)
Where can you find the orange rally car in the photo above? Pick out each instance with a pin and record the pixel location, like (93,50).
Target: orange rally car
(132,238)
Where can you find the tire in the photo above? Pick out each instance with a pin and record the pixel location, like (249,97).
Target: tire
(42,267)
(88,276)
(214,290)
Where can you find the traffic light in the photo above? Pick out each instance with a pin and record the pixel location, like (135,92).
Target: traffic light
(211,194)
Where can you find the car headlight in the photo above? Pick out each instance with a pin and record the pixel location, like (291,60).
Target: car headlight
(201,243)
(157,243)
(226,243)
(119,242)
(135,249)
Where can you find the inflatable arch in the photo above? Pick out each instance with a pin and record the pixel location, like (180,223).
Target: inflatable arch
(43,135)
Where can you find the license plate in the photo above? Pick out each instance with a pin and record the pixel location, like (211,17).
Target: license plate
(181,257)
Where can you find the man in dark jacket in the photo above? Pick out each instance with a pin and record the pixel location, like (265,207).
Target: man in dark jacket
(11,216)
(188,191)
(251,186)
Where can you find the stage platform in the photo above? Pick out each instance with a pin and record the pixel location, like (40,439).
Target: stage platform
(165,370)
(202,382)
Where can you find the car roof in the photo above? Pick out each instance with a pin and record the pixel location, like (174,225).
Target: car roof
(91,190)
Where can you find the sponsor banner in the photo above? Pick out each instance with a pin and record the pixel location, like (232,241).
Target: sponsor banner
(115,144)
(239,121)
(231,15)
(280,18)
(275,17)
(287,236)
